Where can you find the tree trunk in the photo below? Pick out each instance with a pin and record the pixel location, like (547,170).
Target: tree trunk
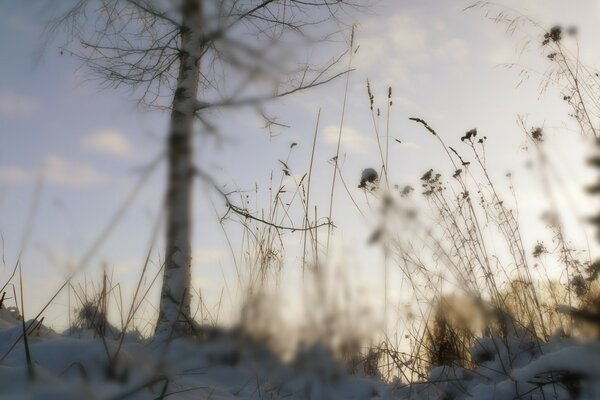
(174,314)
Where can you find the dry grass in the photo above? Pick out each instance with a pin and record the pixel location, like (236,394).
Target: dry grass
(459,248)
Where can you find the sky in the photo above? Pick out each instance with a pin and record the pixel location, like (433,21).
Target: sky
(444,64)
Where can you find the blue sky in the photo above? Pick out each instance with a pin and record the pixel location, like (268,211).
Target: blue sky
(442,63)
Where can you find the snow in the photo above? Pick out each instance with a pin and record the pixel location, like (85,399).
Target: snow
(226,364)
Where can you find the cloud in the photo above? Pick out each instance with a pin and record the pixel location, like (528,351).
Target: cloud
(13,174)
(390,45)
(502,54)
(109,142)
(351,138)
(56,171)
(401,46)
(408,145)
(61,171)
(125,266)
(454,49)
(206,255)
(16,105)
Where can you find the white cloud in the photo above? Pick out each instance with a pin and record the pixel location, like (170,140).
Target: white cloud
(407,33)
(206,255)
(125,266)
(60,171)
(386,37)
(390,45)
(16,105)
(351,138)
(108,141)
(13,174)
(398,47)
(502,54)
(408,145)
(455,49)
(57,171)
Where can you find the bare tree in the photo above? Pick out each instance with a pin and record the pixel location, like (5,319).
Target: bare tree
(192,56)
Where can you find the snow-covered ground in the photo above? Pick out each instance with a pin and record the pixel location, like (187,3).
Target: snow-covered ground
(227,365)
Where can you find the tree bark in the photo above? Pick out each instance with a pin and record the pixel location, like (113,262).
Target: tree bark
(174,314)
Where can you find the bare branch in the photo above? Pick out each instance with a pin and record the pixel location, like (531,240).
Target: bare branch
(246,214)
(147,8)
